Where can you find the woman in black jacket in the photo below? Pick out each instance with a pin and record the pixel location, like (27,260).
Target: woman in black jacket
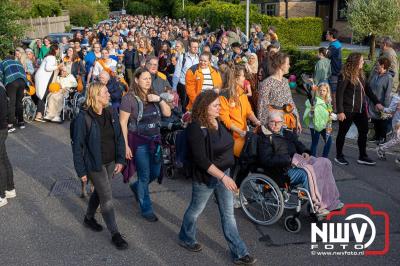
(98,150)
(352,106)
(211,154)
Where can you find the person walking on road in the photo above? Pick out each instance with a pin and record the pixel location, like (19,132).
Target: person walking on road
(7,189)
(99,153)
(211,153)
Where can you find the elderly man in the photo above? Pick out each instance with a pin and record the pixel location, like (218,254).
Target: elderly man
(159,80)
(387,51)
(114,86)
(201,77)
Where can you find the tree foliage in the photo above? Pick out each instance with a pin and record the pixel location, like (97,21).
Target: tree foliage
(375,18)
(10,31)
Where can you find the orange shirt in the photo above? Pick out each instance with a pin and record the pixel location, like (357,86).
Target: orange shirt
(236,114)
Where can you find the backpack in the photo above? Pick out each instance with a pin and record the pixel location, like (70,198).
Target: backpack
(140,109)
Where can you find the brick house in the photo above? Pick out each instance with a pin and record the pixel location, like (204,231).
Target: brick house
(332,12)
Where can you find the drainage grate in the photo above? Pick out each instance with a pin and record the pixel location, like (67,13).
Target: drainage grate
(66,187)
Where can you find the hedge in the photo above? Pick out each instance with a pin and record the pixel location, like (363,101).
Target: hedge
(135,8)
(292,31)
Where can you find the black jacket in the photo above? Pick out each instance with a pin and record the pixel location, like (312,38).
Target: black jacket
(128,59)
(275,153)
(201,155)
(3,107)
(350,98)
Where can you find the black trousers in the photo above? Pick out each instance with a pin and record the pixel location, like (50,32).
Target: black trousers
(380,127)
(181,89)
(361,122)
(15,91)
(6,171)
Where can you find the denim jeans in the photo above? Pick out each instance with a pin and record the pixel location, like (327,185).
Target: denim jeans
(315,139)
(200,195)
(148,167)
(298,176)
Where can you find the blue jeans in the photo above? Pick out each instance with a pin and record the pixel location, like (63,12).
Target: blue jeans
(148,167)
(315,139)
(298,176)
(200,195)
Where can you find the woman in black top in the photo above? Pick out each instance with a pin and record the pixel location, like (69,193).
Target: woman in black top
(351,104)
(211,154)
(99,152)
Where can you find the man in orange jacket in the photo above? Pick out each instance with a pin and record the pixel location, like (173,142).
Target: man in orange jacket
(201,77)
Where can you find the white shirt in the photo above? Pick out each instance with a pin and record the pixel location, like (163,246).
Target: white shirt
(207,79)
(180,71)
(111,63)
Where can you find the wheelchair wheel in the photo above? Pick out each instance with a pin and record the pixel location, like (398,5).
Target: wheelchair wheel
(261,199)
(29,109)
(292,224)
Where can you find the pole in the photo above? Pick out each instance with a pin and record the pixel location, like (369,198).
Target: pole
(247,17)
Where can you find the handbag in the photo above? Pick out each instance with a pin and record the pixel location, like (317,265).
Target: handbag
(79,80)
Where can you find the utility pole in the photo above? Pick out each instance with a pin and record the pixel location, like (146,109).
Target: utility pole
(247,17)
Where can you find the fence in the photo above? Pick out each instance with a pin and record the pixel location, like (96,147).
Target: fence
(41,27)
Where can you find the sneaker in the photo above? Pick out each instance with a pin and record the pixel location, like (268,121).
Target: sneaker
(381,154)
(92,224)
(339,206)
(366,161)
(193,248)
(21,125)
(119,242)
(11,129)
(56,119)
(11,194)
(321,214)
(3,201)
(246,260)
(341,160)
(150,217)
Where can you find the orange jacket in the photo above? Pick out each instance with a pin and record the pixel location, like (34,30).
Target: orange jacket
(194,82)
(232,113)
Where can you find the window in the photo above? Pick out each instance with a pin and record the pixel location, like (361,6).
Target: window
(341,10)
(268,9)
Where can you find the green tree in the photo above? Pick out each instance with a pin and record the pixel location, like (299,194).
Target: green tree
(375,18)
(10,30)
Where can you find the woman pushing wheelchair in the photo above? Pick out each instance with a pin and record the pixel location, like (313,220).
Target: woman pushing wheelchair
(282,155)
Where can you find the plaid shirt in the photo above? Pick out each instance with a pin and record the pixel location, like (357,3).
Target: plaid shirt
(11,70)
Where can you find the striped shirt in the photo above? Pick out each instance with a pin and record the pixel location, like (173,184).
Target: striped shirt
(207,80)
(10,71)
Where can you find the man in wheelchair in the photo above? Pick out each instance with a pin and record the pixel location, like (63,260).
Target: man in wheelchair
(284,158)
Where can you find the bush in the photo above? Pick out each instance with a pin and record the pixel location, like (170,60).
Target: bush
(292,31)
(135,8)
(45,9)
(82,16)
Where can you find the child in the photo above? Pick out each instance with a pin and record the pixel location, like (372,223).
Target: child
(317,117)
(393,108)
(323,67)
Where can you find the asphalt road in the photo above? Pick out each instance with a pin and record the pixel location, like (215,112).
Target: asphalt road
(43,226)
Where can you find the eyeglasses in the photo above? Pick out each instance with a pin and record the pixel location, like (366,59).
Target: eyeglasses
(276,122)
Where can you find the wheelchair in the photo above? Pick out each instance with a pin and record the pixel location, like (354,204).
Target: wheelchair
(29,108)
(72,102)
(264,202)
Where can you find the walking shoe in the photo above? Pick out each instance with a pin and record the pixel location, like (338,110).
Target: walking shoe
(339,206)
(11,129)
(246,260)
(56,119)
(11,194)
(21,125)
(3,201)
(119,242)
(193,248)
(381,154)
(366,161)
(341,160)
(92,224)
(151,217)
(321,214)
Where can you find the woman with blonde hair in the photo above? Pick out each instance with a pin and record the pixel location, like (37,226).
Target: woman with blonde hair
(143,51)
(21,57)
(99,153)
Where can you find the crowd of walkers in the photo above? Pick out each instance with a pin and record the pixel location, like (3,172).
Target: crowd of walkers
(141,71)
